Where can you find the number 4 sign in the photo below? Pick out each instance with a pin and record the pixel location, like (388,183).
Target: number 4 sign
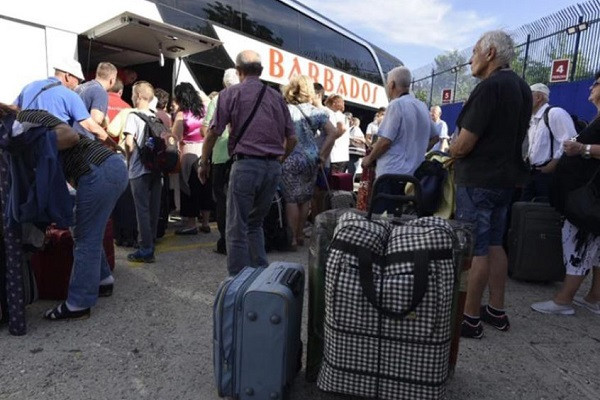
(560,70)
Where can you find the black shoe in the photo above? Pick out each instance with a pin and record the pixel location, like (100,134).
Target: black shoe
(220,250)
(61,311)
(501,323)
(187,231)
(105,290)
(468,330)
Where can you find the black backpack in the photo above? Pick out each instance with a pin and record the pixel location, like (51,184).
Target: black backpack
(159,151)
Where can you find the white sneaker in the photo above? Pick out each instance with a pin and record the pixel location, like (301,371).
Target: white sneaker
(582,302)
(550,307)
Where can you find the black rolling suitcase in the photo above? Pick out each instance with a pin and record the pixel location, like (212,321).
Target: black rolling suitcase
(535,244)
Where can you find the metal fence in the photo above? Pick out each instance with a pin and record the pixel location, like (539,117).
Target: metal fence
(572,33)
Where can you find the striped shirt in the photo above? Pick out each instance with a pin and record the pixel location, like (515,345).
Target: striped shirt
(76,160)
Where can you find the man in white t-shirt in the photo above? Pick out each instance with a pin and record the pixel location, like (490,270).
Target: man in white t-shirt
(442,128)
(145,185)
(373,127)
(339,154)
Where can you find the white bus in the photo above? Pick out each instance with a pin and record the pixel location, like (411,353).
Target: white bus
(170,41)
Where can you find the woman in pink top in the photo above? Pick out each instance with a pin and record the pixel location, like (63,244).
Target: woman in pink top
(196,198)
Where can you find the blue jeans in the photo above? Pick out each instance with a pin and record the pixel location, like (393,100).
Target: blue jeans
(252,186)
(146,192)
(97,194)
(487,209)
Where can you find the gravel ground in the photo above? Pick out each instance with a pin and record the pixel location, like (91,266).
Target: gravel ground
(153,340)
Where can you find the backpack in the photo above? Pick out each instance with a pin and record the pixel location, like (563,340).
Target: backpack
(159,151)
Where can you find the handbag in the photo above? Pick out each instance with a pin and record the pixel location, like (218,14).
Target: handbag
(582,206)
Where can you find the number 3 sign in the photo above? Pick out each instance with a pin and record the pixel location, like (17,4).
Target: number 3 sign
(560,70)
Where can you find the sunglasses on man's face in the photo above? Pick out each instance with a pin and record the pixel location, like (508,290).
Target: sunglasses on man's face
(594,85)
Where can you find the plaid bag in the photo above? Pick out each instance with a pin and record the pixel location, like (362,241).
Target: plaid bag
(389,292)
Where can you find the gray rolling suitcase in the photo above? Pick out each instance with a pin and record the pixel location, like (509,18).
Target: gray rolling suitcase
(535,243)
(256,332)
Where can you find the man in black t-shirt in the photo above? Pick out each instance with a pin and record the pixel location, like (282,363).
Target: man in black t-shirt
(493,124)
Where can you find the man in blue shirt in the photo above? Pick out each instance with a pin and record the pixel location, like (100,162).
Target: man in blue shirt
(55,95)
(403,136)
(94,93)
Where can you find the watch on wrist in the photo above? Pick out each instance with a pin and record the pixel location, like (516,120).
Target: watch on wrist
(587,151)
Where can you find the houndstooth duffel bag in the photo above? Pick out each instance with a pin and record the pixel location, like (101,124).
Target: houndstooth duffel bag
(389,291)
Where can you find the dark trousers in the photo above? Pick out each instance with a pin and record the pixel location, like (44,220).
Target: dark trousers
(538,187)
(199,199)
(219,183)
(352,163)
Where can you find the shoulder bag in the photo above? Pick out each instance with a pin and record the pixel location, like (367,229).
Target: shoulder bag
(582,206)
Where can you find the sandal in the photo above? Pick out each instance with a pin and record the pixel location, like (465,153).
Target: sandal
(61,311)
(205,229)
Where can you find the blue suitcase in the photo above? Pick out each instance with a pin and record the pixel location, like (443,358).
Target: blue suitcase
(257,319)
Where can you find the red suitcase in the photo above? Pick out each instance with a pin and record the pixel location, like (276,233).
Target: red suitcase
(341,181)
(52,265)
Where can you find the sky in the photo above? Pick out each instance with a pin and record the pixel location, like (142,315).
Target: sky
(416,31)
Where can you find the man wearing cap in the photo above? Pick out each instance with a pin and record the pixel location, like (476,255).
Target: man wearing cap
(549,128)
(55,95)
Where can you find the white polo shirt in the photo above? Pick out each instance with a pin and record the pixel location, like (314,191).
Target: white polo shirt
(339,152)
(538,135)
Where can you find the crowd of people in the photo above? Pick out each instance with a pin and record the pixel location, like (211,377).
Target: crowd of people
(239,146)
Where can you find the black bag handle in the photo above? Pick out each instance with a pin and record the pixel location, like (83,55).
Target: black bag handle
(401,198)
(249,119)
(547,122)
(46,87)
(421,272)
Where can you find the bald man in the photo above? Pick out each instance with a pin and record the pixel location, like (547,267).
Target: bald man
(260,138)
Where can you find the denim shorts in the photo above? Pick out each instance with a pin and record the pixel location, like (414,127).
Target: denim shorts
(487,209)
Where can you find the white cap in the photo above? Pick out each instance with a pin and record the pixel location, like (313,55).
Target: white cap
(69,66)
(540,87)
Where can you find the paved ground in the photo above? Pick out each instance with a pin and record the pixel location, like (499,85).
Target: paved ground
(153,340)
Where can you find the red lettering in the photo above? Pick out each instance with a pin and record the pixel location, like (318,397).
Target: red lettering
(342,90)
(354,88)
(275,60)
(328,80)
(295,68)
(313,71)
(375,94)
(366,94)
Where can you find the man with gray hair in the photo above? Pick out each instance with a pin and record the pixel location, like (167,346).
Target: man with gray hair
(403,136)
(549,128)
(220,161)
(489,165)
(261,135)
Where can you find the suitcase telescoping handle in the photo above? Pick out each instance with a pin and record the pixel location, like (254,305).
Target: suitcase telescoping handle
(421,275)
(400,180)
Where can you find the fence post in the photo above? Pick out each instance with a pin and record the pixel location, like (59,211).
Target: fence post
(526,55)
(431,90)
(576,50)
(455,81)
(412,86)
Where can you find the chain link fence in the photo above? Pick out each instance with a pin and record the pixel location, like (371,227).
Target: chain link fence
(572,33)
